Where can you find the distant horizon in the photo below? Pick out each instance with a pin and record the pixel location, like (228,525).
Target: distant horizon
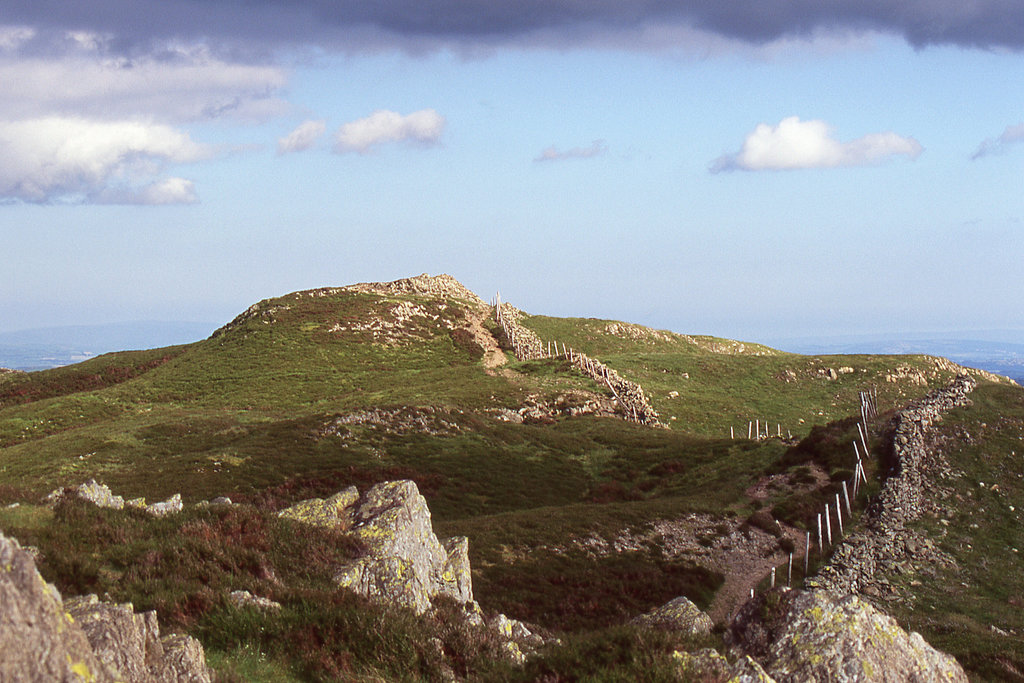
(1002,351)
(704,168)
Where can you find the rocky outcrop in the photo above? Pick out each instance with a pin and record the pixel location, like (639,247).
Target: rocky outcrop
(677,615)
(405,563)
(130,646)
(42,638)
(100,495)
(860,562)
(815,636)
(443,286)
(710,666)
(244,599)
(333,512)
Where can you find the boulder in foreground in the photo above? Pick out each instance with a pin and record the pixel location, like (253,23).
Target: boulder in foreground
(815,636)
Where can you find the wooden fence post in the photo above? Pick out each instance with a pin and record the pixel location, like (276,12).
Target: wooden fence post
(839,516)
(807,554)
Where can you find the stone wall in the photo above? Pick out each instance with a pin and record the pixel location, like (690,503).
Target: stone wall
(859,563)
(526,345)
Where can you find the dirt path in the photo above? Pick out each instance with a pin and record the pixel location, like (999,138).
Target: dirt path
(494,357)
(745,566)
(743,571)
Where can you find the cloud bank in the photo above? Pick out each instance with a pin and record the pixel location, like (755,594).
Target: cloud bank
(72,159)
(795,144)
(352,24)
(597,148)
(79,121)
(422,127)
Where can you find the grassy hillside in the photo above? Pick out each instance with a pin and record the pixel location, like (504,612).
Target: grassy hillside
(568,517)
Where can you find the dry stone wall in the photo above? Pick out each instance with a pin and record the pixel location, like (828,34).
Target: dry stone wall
(857,565)
(526,345)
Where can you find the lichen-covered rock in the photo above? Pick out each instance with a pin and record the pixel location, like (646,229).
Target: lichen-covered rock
(167,507)
(39,641)
(124,641)
(678,614)
(184,660)
(100,495)
(242,599)
(332,512)
(405,564)
(43,638)
(710,666)
(92,491)
(815,636)
(130,646)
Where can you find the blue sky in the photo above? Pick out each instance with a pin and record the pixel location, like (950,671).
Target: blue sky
(705,174)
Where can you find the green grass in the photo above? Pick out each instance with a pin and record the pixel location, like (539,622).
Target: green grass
(243,414)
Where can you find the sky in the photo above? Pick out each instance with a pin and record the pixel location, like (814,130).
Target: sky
(757,171)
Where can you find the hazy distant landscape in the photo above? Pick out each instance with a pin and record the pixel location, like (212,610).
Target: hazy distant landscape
(51,347)
(1000,351)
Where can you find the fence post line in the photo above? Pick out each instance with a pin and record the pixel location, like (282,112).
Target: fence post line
(820,546)
(846,499)
(828,526)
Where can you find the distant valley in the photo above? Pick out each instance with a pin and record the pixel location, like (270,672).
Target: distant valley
(52,347)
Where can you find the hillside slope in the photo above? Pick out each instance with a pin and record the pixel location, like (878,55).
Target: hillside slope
(578,519)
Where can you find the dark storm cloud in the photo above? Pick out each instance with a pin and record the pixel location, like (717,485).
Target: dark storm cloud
(359,23)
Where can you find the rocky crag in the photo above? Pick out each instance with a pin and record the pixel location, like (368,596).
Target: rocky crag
(858,564)
(405,564)
(442,286)
(800,635)
(44,638)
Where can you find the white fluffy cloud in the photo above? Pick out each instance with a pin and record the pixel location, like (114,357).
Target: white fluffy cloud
(302,138)
(72,159)
(1010,136)
(423,127)
(796,144)
(83,121)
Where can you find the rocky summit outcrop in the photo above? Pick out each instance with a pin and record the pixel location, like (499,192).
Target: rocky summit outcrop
(815,636)
(678,614)
(43,638)
(405,563)
(443,286)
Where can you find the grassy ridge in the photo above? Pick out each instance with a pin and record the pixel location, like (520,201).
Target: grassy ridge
(252,413)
